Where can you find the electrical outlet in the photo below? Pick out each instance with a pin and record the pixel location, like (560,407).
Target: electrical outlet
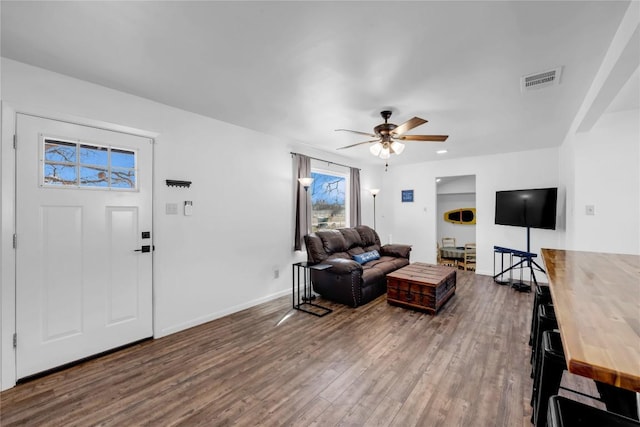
(276,273)
(590,209)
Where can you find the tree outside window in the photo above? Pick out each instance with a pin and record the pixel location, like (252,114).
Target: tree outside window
(81,165)
(328,201)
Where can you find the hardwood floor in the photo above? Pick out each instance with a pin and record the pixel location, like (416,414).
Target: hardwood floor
(374,365)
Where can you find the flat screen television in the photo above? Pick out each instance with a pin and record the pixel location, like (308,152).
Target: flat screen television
(535,208)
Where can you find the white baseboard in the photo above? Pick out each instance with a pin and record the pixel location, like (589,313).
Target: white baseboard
(225,312)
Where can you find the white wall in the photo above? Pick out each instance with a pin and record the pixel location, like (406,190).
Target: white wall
(602,168)
(415,223)
(456,184)
(221,259)
(600,156)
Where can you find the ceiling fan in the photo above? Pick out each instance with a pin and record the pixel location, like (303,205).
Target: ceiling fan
(389,135)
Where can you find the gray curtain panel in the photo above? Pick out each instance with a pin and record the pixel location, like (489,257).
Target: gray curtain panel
(355,214)
(302,201)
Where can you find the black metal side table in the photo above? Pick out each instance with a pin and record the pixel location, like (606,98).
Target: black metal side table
(302,301)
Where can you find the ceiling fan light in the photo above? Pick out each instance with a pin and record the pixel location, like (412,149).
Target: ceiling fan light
(385,153)
(397,147)
(376,148)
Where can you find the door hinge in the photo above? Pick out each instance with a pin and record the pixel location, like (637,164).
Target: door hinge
(15,241)
(15,340)
(15,141)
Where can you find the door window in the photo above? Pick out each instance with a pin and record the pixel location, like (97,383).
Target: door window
(83,165)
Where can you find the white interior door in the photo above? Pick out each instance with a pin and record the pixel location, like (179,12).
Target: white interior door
(84,199)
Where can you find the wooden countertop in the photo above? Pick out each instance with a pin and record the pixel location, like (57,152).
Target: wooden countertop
(596,298)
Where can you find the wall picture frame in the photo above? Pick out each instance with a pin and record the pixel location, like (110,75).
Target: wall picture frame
(407,196)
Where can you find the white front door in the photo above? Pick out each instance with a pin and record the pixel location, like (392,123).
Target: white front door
(83,203)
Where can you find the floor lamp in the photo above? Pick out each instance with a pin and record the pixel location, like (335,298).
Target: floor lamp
(306,183)
(374,192)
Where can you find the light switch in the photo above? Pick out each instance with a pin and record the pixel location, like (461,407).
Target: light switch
(171,209)
(188,208)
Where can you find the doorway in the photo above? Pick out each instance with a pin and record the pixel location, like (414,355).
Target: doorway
(456,203)
(84,243)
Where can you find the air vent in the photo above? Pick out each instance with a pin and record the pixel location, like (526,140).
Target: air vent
(540,80)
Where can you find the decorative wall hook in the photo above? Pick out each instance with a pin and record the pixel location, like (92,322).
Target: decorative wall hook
(176,183)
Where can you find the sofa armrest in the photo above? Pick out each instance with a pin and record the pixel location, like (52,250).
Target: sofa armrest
(340,283)
(342,266)
(396,250)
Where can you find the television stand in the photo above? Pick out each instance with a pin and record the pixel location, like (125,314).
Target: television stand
(525,257)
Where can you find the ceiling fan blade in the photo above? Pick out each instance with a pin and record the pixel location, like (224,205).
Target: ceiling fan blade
(432,138)
(359,143)
(408,125)
(358,132)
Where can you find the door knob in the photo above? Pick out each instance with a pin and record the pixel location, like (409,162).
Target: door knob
(145,248)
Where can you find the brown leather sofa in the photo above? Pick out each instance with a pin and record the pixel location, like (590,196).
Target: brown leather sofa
(348,281)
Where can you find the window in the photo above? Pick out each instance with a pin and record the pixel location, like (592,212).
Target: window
(328,200)
(82,165)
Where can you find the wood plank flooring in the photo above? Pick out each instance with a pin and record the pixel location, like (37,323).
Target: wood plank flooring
(376,365)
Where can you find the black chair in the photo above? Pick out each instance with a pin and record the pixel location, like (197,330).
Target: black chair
(565,412)
(619,400)
(542,295)
(549,376)
(547,321)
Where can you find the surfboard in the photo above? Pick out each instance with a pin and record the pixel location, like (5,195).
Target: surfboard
(461,216)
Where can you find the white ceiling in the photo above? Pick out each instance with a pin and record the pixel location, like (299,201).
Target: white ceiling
(299,70)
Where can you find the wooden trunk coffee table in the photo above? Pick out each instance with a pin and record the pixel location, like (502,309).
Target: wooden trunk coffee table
(421,286)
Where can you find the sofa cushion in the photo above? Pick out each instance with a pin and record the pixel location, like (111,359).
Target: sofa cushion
(368,235)
(366,257)
(400,262)
(372,248)
(332,241)
(387,264)
(356,250)
(351,237)
(315,249)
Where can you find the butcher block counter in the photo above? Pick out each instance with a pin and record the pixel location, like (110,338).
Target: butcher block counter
(596,298)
